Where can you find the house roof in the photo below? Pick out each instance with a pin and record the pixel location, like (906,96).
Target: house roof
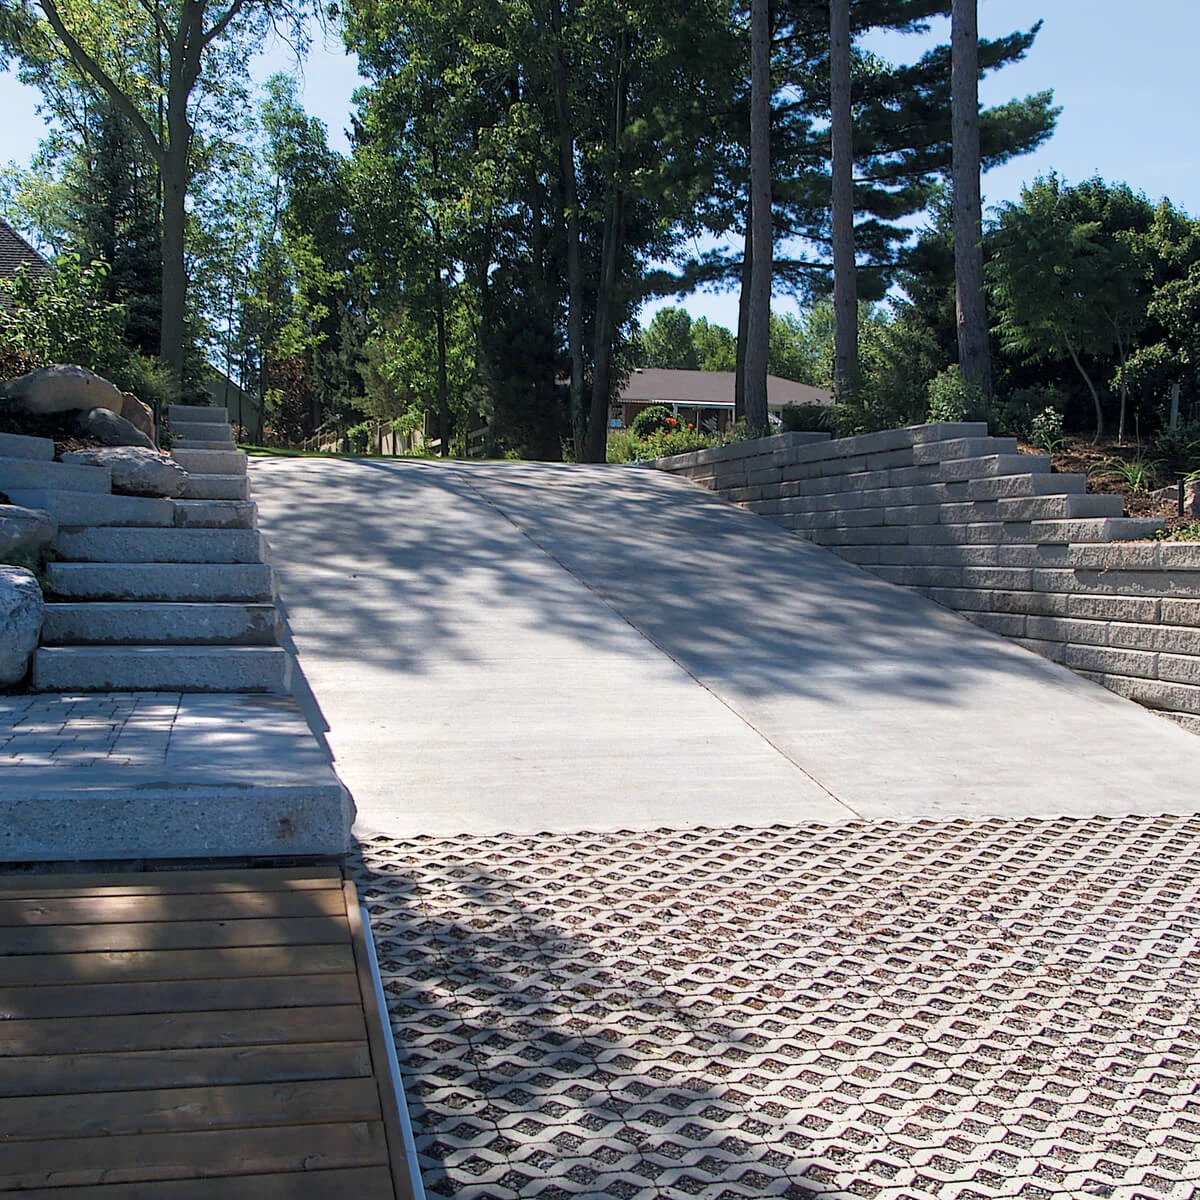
(711,389)
(223,391)
(16,252)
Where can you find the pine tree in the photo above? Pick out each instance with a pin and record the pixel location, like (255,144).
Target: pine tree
(973,356)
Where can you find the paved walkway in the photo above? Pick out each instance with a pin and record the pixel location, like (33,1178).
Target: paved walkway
(515,647)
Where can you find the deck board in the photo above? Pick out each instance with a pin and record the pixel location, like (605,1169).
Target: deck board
(191,906)
(177,996)
(360,1183)
(187,1035)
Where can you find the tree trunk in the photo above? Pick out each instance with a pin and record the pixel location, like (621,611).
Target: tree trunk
(759,322)
(174,272)
(570,203)
(612,247)
(1124,386)
(743,331)
(443,399)
(596,439)
(1091,387)
(973,353)
(845,280)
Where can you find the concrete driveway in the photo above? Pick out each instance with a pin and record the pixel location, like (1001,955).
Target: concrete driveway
(521,647)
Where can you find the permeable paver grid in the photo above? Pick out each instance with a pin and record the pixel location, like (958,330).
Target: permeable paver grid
(192,1035)
(965,1009)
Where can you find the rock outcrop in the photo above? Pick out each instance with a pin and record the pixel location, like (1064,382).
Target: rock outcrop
(110,429)
(136,471)
(22,611)
(139,415)
(22,528)
(61,388)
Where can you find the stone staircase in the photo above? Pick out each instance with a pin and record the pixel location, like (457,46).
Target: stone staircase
(156,595)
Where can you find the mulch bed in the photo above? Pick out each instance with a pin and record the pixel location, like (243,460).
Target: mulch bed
(1082,457)
(59,427)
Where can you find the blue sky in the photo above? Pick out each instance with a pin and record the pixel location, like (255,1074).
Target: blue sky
(1125,75)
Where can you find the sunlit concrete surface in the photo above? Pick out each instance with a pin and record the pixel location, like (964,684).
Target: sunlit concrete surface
(522,647)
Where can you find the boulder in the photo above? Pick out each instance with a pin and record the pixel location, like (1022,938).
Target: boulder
(139,415)
(110,429)
(61,388)
(1191,497)
(136,471)
(25,528)
(22,611)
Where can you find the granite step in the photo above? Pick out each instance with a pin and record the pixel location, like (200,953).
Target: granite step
(88,509)
(204,431)
(216,487)
(106,544)
(207,414)
(164,780)
(211,462)
(162,669)
(209,445)
(216,514)
(180,582)
(28,473)
(16,445)
(133,624)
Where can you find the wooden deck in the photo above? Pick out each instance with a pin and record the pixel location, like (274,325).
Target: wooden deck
(192,1035)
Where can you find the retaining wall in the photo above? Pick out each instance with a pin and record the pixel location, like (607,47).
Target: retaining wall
(967,521)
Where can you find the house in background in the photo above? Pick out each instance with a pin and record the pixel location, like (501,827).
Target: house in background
(16,252)
(702,398)
(244,409)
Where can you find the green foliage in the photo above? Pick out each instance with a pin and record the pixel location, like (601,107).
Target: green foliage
(33,559)
(667,341)
(898,356)
(716,347)
(1046,431)
(1138,474)
(1180,444)
(359,437)
(64,318)
(807,418)
(666,442)
(651,420)
(1016,412)
(1184,533)
(1068,276)
(799,347)
(623,447)
(151,381)
(952,398)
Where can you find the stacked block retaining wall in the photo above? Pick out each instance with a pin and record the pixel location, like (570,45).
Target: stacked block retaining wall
(967,521)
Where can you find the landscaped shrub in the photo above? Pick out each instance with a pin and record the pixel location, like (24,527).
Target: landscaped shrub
(1180,445)
(1139,475)
(807,418)
(1046,431)
(624,447)
(359,437)
(1013,414)
(621,446)
(652,420)
(952,398)
(670,441)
